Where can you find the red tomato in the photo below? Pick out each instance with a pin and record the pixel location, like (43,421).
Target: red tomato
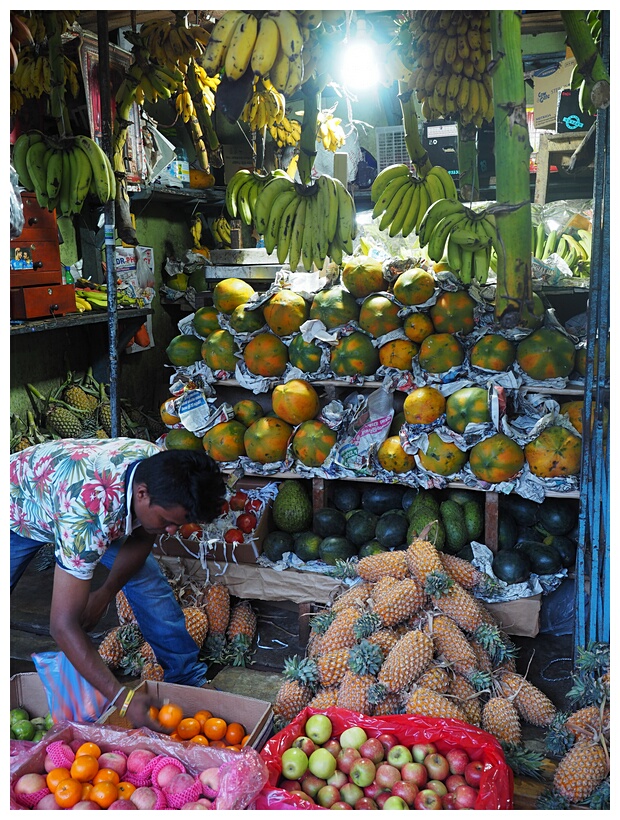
(237,501)
(232,535)
(225,508)
(253,505)
(185,530)
(246,522)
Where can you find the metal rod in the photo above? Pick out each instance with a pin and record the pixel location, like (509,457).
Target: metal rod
(105,96)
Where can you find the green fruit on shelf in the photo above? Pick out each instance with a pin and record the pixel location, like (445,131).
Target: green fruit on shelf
(24,729)
(19,714)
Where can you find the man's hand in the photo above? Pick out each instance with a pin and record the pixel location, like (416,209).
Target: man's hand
(138,711)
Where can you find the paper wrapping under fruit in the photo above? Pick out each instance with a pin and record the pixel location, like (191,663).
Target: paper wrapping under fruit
(496,784)
(242,774)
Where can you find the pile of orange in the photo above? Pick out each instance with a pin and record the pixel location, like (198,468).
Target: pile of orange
(85,780)
(201,727)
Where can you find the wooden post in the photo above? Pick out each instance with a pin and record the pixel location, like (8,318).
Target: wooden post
(491,520)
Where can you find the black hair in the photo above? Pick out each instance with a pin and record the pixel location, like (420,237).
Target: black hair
(185,478)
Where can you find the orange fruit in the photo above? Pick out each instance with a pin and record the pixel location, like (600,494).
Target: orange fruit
(215,728)
(54,776)
(170,715)
(104,794)
(174,736)
(235,748)
(202,715)
(217,744)
(68,792)
(244,739)
(189,727)
(125,789)
(234,733)
(154,713)
(88,748)
(84,768)
(107,776)
(86,790)
(199,739)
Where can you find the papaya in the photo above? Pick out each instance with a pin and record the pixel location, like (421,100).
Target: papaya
(295,401)
(493,352)
(184,350)
(398,353)
(354,355)
(414,286)
(334,306)
(205,320)
(442,457)
(362,275)
(378,315)
(247,411)
(424,405)
(266,440)
(418,326)
(546,353)
(554,452)
(440,352)
(230,293)
(496,458)
(306,356)
(453,312)
(468,405)
(312,442)
(266,355)
(218,351)
(285,312)
(393,458)
(181,439)
(224,441)
(246,321)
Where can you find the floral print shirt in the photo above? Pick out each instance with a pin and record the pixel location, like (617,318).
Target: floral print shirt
(72,492)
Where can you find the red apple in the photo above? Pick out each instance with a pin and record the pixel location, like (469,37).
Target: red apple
(137,760)
(144,797)
(338,779)
(210,780)
(395,802)
(292,785)
(88,805)
(346,758)
(415,773)
(327,796)
(437,766)
(420,750)
(465,797)
(311,784)
(473,773)
(387,775)
(30,783)
(304,796)
(454,780)
(332,746)
(457,760)
(124,804)
(381,798)
(427,799)
(351,793)
(407,790)
(238,500)
(340,804)
(365,803)
(362,772)
(387,740)
(179,783)
(194,804)
(437,786)
(48,803)
(165,775)
(306,744)
(114,761)
(373,790)
(448,802)
(373,750)
(399,755)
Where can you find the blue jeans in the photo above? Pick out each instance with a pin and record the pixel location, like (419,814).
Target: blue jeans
(152,600)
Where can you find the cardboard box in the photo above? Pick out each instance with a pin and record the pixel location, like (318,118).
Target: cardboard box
(548,82)
(520,617)
(27,690)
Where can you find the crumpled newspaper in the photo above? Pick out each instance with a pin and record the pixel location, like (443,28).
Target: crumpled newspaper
(483,560)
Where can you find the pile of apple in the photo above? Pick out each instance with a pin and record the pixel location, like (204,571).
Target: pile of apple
(355,771)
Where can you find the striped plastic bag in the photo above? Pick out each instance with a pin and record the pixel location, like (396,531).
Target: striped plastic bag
(69,695)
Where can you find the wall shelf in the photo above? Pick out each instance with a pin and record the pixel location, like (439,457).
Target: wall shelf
(19,328)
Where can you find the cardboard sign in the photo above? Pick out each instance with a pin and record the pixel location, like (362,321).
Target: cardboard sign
(548,82)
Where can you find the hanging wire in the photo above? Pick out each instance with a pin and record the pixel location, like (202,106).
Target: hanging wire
(561,676)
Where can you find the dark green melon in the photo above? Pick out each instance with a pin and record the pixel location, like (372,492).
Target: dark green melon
(361,526)
(566,548)
(306,546)
(276,543)
(346,497)
(329,521)
(335,548)
(379,498)
(544,559)
(511,566)
(507,531)
(523,510)
(557,516)
(408,498)
(392,528)
(370,548)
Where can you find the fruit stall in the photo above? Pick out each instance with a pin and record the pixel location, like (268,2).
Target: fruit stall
(375,290)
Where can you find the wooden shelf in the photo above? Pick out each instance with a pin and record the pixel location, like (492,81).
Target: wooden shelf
(19,328)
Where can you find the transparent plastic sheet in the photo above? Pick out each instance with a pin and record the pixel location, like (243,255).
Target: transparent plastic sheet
(15,205)
(496,785)
(242,776)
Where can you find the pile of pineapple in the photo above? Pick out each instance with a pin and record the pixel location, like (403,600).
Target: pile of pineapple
(223,631)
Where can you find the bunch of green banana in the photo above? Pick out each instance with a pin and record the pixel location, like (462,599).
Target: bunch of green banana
(220,228)
(574,250)
(285,132)
(448,54)
(462,237)
(578,81)
(63,174)
(184,102)
(96,294)
(173,44)
(306,224)
(330,132)
(401,199)
(265,107)
(269,44)
(243,189)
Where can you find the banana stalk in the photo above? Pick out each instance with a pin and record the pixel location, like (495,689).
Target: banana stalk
(307,142)
(209,136)
(469,181)
(589,60)
(513,217)
(58,108)
(415,149)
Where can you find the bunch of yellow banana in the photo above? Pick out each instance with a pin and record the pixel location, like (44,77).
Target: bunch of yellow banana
(329,131)
(153,82)
(220,228)
(270,44)
(306,224)
(462,237)
(32,75)
(184,103)
(243,190)
(265,107)
(173,44)
(575,250)
(63,174)
(96,293)
(448,54)
(16,100)
(285,132)
(82,305)
(401,199)
(36,23)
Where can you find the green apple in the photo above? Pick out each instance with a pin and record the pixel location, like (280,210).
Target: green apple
(319,728)
(353,737)
(294,763)
(322,763)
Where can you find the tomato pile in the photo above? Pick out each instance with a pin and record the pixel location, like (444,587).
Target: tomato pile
(239,517)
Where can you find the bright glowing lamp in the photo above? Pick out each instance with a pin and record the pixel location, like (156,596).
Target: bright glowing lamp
(359,67)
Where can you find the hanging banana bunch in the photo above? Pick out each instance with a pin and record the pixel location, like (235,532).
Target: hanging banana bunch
(448,54)
(329,131)
(265,108)
(220,228)
(286,132)
(173,45)
(589,75)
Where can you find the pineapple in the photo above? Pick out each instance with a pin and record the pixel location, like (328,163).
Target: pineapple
(435,678)
(482,656)
(196,623)
(123,609)
(365,661)
(500,718)
(374,567)
(217,607)
(422,559)
(357,595)
(587,722)
(461,571)
(332,666)
(385,638)
(581,771)
(392,704)
(241,632)
(146,652)
(455,601)
(367,623)
(340,633)
(399,602)
(497,645)
(467,699)
(533,705)
(111,650)
(151,670)
(325,698)
(422,701)
(296,692)
(76,397)
(63,422)
(408,659)
(452,646)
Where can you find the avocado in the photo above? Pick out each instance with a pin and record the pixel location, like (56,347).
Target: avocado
(424,501)
(437,533)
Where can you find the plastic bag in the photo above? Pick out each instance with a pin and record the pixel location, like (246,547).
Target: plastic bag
(16,206)
(69,695)
(496,785)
